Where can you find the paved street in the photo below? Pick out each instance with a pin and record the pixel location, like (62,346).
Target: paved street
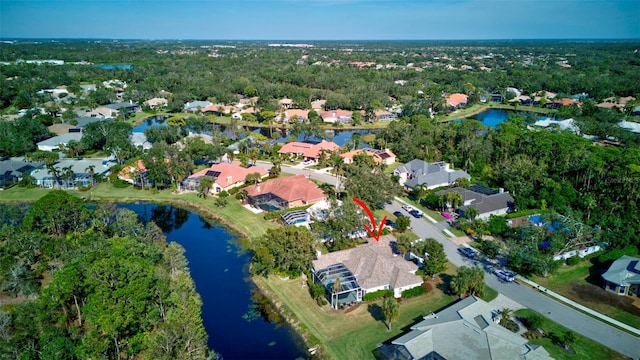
(596,330)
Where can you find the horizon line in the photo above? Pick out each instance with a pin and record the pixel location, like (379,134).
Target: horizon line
(5,39)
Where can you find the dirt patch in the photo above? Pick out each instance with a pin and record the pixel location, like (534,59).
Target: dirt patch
(593,294)
(461,240)
(352,308)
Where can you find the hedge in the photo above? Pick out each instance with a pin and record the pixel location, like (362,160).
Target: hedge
(419,290)
(377,295)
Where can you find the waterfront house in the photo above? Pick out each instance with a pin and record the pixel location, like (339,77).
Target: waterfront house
(464,330)
(336,116)
(385,156)
(195,106)
(366,268)
(225,176)
(299,114)
(155,103)
(58,142)
(284,193)
(433,175)
(12,170)
(71,173)
(623,276)
(457,100)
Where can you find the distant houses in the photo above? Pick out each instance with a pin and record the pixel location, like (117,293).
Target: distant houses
(432,175)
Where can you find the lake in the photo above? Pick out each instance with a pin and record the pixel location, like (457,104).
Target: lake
(150,122)
(340,137)
(220,270)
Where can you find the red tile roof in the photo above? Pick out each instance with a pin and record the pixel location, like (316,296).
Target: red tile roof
(335,114)
(308,150)
(456,99)
(230,173)
(289,189)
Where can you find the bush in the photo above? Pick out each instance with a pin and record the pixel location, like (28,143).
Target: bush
(154,191)
(574,260)
(414,292)
(120,184)
(377,295)
(84,188)
(614,254)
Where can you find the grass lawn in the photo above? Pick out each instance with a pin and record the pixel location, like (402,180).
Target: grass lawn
(234,215)
(568,277)
(585,348)
(356,334)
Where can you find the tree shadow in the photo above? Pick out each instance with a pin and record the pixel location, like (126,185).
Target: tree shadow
(445,284)
(376,312)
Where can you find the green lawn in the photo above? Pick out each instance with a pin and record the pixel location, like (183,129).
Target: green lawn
(585,348)
(234,215)
(562,282)
(353,335)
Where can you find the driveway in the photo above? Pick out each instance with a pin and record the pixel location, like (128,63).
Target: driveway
(312,174)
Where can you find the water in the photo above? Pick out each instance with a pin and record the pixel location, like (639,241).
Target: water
(340,137)
(492,117)
(150,122)
(220,270)
(115,66)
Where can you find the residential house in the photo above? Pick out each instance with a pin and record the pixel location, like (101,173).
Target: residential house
(59,141)
(139,139)
(85,120)
(195,106)
(83,173)
(457,100)
(337,116)
(134,174)
(318,105)
(60,129)
(226,176)
(285,103)
(101,113)
(385,156)
(284,193)
(384,115)
(299,114)
(487,201)
(464,330)
(623,276)
(366,268)
(12,170)
(156,103)
(125,107)
(307,150)
(217,109)
(615,102)
(433,175)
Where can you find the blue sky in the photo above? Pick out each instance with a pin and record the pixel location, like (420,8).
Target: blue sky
(321,19)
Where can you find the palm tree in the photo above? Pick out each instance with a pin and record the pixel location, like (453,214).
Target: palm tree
(91,170)
(472,213)
(390,310)
(204,186)
(337,285)
(505,316)
(254,153)
(55,173)
(337,162)
(69,175)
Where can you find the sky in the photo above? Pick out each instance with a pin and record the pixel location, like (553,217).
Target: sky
(321,19)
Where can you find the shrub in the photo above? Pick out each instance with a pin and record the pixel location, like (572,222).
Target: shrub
(84,188)
(377,295)
(614,254)
(419,290)
(574,260)
(154,191)
(120,184)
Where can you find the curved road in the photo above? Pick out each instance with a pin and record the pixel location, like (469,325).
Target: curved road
(585,325)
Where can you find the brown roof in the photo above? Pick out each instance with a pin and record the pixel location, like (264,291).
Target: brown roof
(289,189)
(374,264)
(61,128)
(296,112)
(308,150)
(456,99)
(228,174)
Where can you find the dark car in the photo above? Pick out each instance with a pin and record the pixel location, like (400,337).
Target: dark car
(468,252)
(416,213)
(391,223)
(398,214)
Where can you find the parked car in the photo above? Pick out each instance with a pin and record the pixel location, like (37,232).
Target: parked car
(398,214)
(504,275)
(468,252)
(416,213)
(390,223)
(407,208)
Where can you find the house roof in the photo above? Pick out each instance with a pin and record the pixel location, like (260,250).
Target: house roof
(60,128)
(227,174)
(465,330)
(624,271)
(285,101)
(61,139)
(374,264)
(420,172)
(17,168)
(156,101)
(308,150)
(121,105)
(289,189)
(457,99)
(318,104)
(296,112)
(483,203)
(378,155)
(335,114)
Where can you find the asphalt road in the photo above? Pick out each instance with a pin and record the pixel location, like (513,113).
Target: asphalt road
(585,325)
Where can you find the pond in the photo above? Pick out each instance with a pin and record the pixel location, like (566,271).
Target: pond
(234,313)
(150,122)
(340,137)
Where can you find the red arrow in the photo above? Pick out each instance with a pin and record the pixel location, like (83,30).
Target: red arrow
(373,221)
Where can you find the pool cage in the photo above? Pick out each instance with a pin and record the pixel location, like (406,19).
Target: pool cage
(268,202)
(341,286)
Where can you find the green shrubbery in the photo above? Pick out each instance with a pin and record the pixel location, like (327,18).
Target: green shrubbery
(377,295)
(120,184)
(414,292)
(574,260)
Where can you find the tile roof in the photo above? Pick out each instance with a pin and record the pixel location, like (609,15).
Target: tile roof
(229,173)
(289,189)
(336,114)
(374,264)
(308,150)
(379,156)
(296,112)
(457,99)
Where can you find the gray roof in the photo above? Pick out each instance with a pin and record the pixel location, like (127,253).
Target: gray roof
(624,271)
(120,105)
(466,330)
(193,105)
(84,120)
(140,139)
(60,139)
(17,168)
(437,173)
(79,167)
(483,203)
(374,264)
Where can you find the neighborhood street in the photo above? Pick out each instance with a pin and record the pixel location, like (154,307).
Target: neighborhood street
(585,325)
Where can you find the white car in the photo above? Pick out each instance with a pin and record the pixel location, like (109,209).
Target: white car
(407,208)
(504,275)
